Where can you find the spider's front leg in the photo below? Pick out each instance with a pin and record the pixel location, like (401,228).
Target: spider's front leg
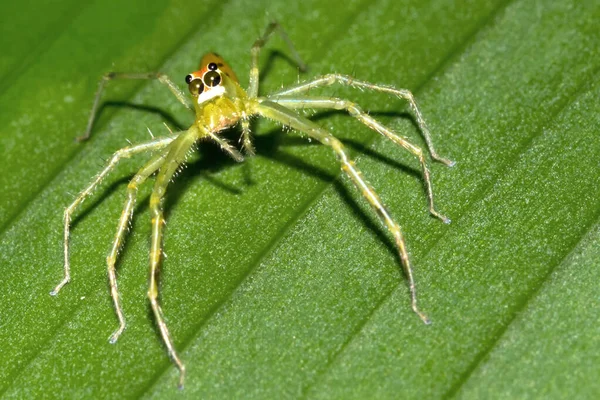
(152,166)
(355,111)
(286,117)
(254,73)
(255,51)
(125,152)
(327,80)
(162,78)
(173,160)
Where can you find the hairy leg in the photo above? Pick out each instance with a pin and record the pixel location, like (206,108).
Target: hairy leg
(327,80)
(286,117)
(175,157)
(355,111)
(125,152)
(132,189)
(254,74)
(255,51)
(162,78)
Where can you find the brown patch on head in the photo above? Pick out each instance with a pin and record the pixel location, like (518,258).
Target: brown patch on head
(217,59)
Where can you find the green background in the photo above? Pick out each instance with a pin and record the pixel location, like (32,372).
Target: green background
(280,282)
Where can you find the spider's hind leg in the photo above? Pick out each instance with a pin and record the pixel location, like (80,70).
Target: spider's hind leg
(355,111)
(327,80)
(284,116)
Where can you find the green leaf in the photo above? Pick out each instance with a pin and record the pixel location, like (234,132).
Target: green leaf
(280,282)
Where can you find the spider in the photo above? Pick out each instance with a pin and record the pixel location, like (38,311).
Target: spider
(219,103)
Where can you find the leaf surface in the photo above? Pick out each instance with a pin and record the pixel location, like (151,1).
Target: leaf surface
(280,281)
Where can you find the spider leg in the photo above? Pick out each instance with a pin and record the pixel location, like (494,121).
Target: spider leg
(162,78)
(285,116)
(246,137)
(132,189)
(355,111)
(330,79)
(254,74)
(125,152)
(174,158)
(226,146)
(255,51)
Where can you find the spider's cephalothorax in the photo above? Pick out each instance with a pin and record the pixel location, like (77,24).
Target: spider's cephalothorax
(219,102)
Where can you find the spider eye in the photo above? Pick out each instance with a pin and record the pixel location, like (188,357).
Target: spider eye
(212,66)
(211,78)
(188,79)
(196,86)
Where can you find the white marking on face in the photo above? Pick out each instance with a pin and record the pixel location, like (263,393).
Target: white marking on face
(211,94)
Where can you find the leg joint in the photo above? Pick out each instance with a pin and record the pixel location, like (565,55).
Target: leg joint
(162,77)
(338,148)
(256,47)
(406,94)
(153,295)
(353,109)
(330,79)
(110,261)
(68,212)
(156,197)
(121,153)
(133,185)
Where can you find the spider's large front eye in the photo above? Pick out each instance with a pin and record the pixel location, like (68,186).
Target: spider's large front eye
(196,87)
(211,78)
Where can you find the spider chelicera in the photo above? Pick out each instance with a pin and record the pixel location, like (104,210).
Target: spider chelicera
(220,103)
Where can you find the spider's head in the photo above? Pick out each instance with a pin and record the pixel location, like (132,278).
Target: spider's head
(214,79)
